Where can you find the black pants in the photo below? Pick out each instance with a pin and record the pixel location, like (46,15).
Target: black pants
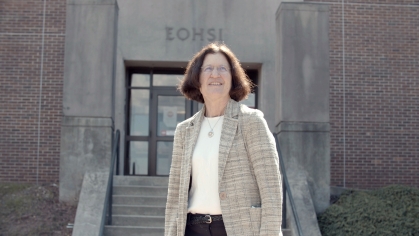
(216,228)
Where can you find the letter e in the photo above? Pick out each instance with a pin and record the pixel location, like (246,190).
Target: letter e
(169,33)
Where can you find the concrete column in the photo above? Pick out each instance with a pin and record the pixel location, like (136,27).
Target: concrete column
(303,93)
(88,96)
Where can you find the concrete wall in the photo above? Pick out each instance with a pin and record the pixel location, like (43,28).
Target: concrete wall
(168,33)
(85,147)
(303,98)
(303,62)
(89,57)
(160,33)
(88,96)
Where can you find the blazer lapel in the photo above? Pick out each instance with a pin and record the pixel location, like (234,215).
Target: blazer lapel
(192,132)
(191,135)
(227,135)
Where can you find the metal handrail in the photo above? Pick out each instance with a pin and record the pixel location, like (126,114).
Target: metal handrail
(109,191)
(287,188)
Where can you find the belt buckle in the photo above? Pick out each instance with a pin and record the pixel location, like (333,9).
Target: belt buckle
(208,218)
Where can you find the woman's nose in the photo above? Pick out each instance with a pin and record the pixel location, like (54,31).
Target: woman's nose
(215,69)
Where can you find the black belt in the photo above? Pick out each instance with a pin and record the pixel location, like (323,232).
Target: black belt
(194,219)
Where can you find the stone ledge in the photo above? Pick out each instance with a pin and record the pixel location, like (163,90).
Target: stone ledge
(287,126)
(302,6)
(92,2)
(86,121)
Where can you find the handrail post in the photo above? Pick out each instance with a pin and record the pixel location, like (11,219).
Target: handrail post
(109,191)
(117,159)
(110,200)
(287,186)
(284,204)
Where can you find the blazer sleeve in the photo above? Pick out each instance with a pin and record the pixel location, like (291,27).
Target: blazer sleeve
(264,158)
(170,226)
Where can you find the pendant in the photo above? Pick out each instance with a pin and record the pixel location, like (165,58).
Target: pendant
(210,134)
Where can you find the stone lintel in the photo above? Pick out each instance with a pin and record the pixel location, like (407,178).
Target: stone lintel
(78,121)
(92,2)
(303,127)
(302,6)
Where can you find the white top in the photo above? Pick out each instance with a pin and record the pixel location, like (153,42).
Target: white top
(203,196)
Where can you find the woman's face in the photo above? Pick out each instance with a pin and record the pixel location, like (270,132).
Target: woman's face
(215,77)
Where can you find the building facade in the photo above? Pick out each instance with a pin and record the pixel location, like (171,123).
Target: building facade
(60,104)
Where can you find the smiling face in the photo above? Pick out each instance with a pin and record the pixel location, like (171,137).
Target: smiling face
(215,84)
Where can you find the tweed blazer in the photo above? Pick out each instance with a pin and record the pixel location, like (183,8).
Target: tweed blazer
(249,181)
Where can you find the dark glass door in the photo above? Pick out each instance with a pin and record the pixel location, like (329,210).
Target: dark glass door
(168,109)
(154,109)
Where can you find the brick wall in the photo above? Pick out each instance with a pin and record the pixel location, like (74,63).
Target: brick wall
(381,93)
(30,137)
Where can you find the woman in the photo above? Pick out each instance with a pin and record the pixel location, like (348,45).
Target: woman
(224,178)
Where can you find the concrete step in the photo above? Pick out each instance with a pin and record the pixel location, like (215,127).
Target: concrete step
(138,206)
(141,180)
(138,200)
(138,210)
(157,191)
(138,220)
(144,225)
(111,230)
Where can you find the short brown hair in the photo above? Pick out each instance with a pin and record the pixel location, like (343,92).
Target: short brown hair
(190,86)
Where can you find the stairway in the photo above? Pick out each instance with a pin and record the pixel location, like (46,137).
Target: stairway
(138,206)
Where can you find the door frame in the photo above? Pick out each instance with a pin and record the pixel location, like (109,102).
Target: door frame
(153,135)
(191,107)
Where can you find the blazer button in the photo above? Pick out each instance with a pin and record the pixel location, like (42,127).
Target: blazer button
(223,195)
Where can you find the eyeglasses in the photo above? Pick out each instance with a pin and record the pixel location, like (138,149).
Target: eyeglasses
(209,69)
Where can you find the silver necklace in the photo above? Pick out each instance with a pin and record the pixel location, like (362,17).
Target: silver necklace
(211,133)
